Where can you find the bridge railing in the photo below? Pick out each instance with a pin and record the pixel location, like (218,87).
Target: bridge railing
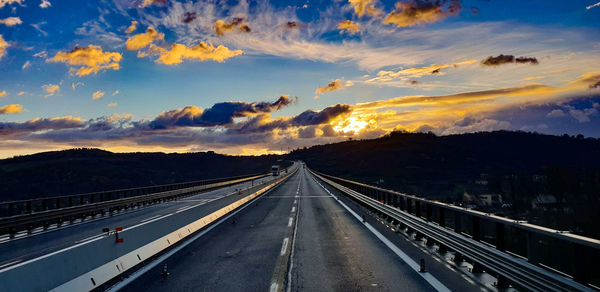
(569,255)
(21,207)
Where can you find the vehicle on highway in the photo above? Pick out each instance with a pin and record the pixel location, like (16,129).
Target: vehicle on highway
(275,170)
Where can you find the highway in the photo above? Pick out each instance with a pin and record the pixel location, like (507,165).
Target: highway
(299,237)
(30,246)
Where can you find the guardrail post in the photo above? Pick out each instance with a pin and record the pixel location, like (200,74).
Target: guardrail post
(457,222)
(418,208)
(11,209)
(408,205)
(476,232)
(442,220)
(81,200)
(57,203)
(70,201)
(531,247)
(500,244)
(28,207)
(580,268)
(44,204)
(428,212)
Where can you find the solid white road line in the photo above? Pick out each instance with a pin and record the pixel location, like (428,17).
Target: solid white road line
(435,283)
(284,245)
(290,222)
(293,209)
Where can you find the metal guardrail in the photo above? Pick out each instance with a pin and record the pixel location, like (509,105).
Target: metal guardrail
(20,207)
(28,221)
(526,255)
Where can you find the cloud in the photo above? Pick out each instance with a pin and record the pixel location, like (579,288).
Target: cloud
(221,27)
(91,60)
(42,54)
(112,104)
(364,7)
(132,27)
(3,46)
(557,113)
(583,115)
(38,27)
(146,3)
(26,65)
(115,93)
(307,132)
(74,85)
(11,109)
(348,26)
(221,113)
(334,85)
(97,95)
(45,4)
(11,21)
(507,59)
(189,17)
(592,6)
(21,93)
(405,74)
(39,124)
(3,93)
(201,52)
(8,2)
(595,85)
(142,40)
(416,12)
(52,89)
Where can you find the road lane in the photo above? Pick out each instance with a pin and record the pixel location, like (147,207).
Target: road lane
(295,238)
(239,255)
(36,244)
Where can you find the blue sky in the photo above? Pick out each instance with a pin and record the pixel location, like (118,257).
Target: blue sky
(73,75)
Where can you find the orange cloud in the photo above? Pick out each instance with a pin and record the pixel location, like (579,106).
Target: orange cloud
(97,95)
(333,86)
(3,93)
(146,3)
(142,40)
(420,12)
(91,59)
(132,27)
(200,52)
(348,26)
(11,21)
(221,27)
(112,104)
(3,46)
(384,76)
(52,89)
(364,7)
(11,109)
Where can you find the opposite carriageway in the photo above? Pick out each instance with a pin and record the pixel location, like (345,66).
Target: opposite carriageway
(526,255)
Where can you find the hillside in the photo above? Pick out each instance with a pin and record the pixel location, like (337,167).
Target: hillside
(521,167)
(89,170)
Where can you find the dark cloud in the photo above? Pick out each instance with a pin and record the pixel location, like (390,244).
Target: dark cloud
(291,24)
(38,124)
(311,117)
(436,71)
(328,131)
(221,113)
(307,118)
(414,82)
(524,60)
(596,85)
(506,59)
(189,17)
(244,28)
(410,13)
(307,133)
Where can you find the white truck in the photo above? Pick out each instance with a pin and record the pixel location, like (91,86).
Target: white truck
(275,170)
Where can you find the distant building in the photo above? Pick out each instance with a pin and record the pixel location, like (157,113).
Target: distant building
(544,202)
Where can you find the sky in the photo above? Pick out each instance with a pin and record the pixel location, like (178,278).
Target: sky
(259,77)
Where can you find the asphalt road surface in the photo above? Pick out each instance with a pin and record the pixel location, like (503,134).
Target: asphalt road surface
(40,242)
(298,237)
